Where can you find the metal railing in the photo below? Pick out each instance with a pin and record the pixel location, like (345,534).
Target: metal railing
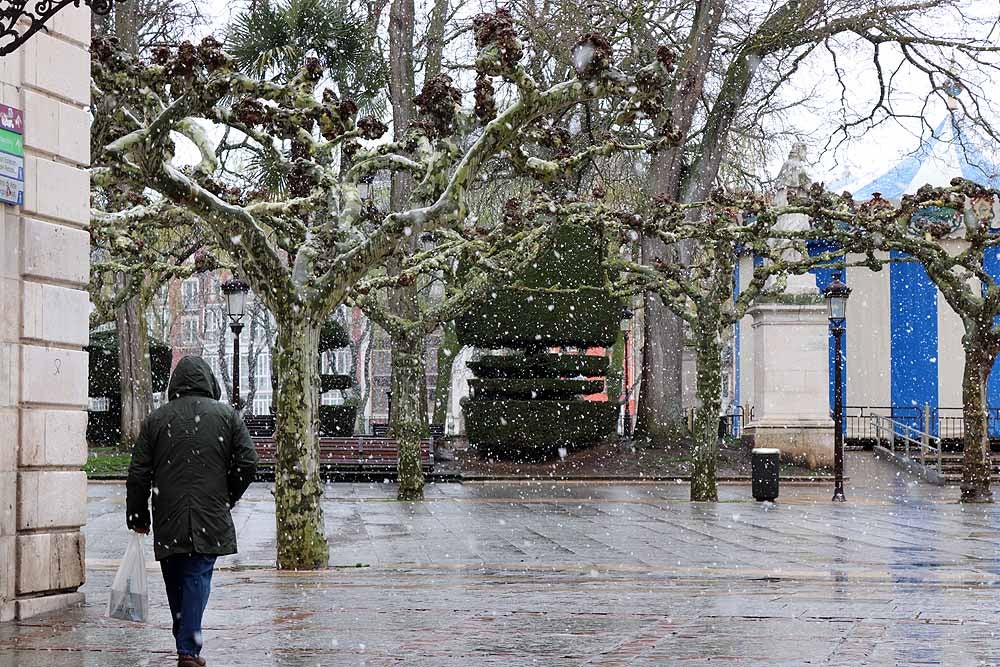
(915,446)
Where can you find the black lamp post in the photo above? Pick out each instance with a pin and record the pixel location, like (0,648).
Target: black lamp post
(836,295)
(626,380)
(235,291)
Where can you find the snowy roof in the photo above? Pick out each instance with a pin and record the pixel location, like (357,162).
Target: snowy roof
(950,151)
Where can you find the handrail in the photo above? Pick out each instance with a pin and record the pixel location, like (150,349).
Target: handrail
(920,439)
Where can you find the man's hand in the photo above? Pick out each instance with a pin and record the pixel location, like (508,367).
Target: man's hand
(141,531)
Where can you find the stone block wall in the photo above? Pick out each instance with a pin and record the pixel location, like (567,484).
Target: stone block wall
(44,310)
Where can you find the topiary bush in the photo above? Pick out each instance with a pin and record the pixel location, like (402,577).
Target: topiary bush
(534,427)
(527,388)
(545,365)
(335,420)
(528,405)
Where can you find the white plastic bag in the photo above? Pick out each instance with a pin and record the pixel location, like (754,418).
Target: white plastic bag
(129,592)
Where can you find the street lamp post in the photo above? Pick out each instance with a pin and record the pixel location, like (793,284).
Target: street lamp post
(836,295)
(626,380)
(235,291)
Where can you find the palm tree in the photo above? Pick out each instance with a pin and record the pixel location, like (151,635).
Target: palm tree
(271,40)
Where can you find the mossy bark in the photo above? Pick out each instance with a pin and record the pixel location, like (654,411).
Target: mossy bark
(136,379)
(298,489)
(409,414)
(976,440)
(705,448)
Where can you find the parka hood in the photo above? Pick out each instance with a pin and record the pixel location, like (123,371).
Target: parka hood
(193,377)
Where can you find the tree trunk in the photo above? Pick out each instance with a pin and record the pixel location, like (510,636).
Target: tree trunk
(298,489)
(445,363)
(409,411)
(976,441)
(435,39)
(705,450)
(127,25)
(660,414)
(136,381)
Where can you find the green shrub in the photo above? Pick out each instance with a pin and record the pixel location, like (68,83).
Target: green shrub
(103,377)
(545,365)
(330,382)
(533,388)
(514,426)
(337,420)
(333,336)
(535,317)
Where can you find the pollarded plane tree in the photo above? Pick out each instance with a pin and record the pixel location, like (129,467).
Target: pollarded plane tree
(955,259)
(743,69)
(444,276)
(304,251)
(700,291)
(138,245)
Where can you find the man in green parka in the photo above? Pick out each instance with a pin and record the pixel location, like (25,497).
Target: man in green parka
(196,457)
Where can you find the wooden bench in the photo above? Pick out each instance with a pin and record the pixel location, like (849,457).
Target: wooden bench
(355,454)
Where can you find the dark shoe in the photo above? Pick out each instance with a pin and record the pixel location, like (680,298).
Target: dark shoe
(190,661)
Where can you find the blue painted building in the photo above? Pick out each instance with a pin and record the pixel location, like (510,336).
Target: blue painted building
(903,345)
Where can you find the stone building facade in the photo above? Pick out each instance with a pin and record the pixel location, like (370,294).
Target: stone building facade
(44,307)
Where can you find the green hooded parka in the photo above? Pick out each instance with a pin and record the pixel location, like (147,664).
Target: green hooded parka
(197,458)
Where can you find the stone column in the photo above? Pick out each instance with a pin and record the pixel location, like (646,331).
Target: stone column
(44,309)
(792,381)
(791,377)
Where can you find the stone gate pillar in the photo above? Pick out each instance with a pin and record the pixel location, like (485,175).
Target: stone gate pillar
(791,380)
(44,310)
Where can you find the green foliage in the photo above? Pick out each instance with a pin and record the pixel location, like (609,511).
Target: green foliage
(273,39)
(573,259)
(540,388)
(333,336)
(523,317)
(104,378)
(337,420)
(538,425)
(330,382)
(562,299)
(545,365)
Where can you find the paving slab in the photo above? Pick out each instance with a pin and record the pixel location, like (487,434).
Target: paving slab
(573,574)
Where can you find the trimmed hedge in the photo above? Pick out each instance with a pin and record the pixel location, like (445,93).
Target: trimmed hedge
(533,388)
(574,259)
(533,317)
(538,425)
(519,404)
(333,336)
(545,365)
(104,378)
(330,382)
(337,420)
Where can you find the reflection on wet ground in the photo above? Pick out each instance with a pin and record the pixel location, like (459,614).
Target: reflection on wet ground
(577,574)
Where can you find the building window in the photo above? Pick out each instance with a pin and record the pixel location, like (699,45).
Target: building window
(189,293)
(99,404)
(189,330)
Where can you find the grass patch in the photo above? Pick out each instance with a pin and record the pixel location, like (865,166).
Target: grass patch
(107,462)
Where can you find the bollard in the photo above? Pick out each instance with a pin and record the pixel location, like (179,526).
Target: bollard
(764,470)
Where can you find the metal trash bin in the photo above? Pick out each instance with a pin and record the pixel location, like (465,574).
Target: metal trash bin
(764,471)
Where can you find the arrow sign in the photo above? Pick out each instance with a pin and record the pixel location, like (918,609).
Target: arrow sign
(11,119)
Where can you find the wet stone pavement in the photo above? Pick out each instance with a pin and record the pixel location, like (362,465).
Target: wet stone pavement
(571,574)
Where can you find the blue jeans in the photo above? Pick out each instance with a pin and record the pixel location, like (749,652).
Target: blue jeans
(188,578)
